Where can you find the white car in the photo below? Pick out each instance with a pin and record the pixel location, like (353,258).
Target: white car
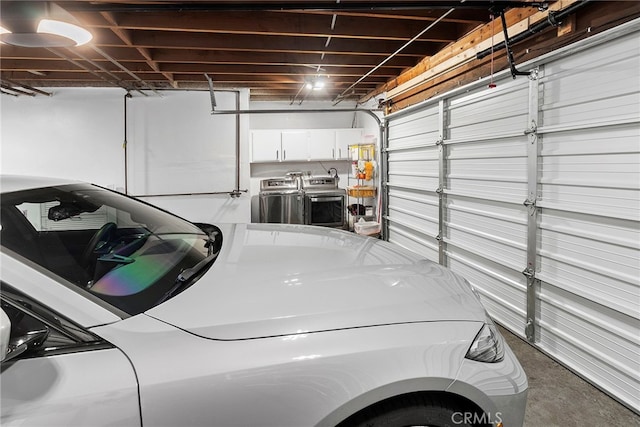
(117,313)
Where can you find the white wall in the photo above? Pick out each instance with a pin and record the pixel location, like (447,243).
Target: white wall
(75,134)
(179,153)
(174,144)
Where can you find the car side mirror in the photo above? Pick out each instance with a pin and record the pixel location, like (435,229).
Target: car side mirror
(10,348)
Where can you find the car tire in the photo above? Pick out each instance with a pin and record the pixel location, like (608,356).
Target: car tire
(410,411)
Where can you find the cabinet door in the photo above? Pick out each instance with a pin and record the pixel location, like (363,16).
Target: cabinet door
(266,145)
(322,144)
(295,145)
(344,138)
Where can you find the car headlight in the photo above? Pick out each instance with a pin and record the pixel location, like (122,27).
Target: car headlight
(487,346)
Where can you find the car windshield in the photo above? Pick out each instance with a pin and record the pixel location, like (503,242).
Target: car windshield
(127,253)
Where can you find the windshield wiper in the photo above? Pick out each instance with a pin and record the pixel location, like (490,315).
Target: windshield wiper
(116,258)
(185,276)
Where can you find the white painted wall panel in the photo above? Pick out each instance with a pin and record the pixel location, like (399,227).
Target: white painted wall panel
(75,134)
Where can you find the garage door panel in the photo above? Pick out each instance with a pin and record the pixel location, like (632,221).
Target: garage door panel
(612,260)
(501,148)
(489,104)
(503,169)
(614,202)
(510,192)
(418,140)
(474,217)
(502,289)
(413,130)
(582,279)
(589,179)
(415,167)
(492,248)
(564,270)
(619,139)
(603,330)
(419,182)
(611,170)
(507,125)
(426,153)
(624,107)
(420,243)
(593,341)
(572,92)
(488,112)
(420,206)
(493,169)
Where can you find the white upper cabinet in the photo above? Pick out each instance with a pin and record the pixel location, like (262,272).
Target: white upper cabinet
(322,144)
(266,145)
(345,138)
(278,145)
(295,145)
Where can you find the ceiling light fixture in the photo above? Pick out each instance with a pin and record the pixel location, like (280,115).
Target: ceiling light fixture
(53,27)
(74,32)
(316,84)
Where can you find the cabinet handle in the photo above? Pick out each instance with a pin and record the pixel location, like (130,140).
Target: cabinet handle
(284,154)
(333,153)
(339,153)
(277,154)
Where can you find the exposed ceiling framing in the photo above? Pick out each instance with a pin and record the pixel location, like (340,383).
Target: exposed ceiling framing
(360,48)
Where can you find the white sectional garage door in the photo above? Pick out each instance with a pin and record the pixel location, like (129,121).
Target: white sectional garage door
(531,190)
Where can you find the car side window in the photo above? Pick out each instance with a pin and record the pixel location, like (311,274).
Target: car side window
(28,316)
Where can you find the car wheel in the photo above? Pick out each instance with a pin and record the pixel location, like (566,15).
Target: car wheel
(410,411)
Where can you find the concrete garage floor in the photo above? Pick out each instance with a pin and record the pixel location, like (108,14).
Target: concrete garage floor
(558,397)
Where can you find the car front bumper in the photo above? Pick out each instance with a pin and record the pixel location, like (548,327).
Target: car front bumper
(499,389)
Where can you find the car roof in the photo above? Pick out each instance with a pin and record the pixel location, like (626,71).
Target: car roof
(11,183)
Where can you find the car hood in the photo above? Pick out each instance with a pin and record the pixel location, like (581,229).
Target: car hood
(274,280)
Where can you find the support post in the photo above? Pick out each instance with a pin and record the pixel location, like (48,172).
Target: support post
(533,141)
(441,181)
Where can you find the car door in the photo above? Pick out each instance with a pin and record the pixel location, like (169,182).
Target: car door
(73,378)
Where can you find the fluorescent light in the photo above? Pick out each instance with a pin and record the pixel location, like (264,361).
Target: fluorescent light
(78,34)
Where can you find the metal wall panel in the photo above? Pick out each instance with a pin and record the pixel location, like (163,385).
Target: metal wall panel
(589,199)
(485,221)
(531,190)
(413,178)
